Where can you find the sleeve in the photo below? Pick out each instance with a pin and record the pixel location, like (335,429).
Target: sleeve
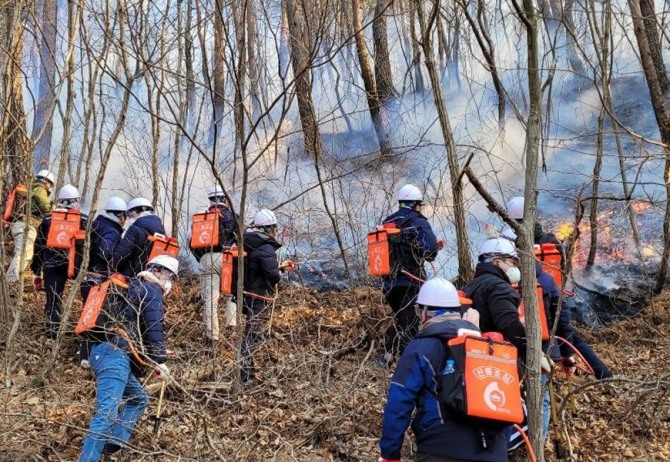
(125,249)
(41,201)
(505,317)
(565,331)
(79,245)
(109,239)
(40,244)
(406,384)
(152,314)
(269,264)
(426,239)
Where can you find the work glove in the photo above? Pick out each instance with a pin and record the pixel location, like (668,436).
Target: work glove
(162,372)
(569,365)
(288,265)
(440,244)
(171,354)
(472,316)
(38,283)
(381,459)
(546,365)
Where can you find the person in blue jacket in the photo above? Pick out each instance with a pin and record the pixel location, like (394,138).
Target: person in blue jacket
(50,265)
(412,394)
(131,254)
(417,245)
(120,355)
(106,232)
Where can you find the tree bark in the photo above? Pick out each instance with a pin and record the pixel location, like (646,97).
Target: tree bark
(300,58)
(374,104)
(648,12)
(528,17)
(46,97)
(465,266)
(383,73)
(219,77)
(663,121)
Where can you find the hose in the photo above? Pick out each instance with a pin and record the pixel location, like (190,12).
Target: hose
(531,453)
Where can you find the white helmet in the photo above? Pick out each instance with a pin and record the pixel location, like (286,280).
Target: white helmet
(68,192)
(509,234)
(139,202)
(409,193)
(46,175)
(265,217)
(438,292)
(115,204)
(498,247)
(215,192)
(515,207)
(167,262)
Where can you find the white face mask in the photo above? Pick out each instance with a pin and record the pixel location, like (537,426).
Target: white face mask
(167,287)
(514,274)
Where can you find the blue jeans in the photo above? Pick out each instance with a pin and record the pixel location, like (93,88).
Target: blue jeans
(546,405)
(114,383)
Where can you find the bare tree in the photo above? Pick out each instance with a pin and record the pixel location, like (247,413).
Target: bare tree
(383,73)
(465,266)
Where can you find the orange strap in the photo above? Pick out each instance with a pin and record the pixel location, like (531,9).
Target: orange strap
(131,345)
(261,297)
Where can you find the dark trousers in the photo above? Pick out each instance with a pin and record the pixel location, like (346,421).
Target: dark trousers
(600,370)
(406,325)
(54,284)
(428,458)
(257,313)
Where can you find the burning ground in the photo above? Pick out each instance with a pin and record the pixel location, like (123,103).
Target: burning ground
(319,396)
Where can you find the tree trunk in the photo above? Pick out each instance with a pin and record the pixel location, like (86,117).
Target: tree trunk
(655,47)
(663,121)
(533,133)
(374,104)
(219,77)
(419,86)
(465,266)
(300,57)
(383,73)
(46,97)
(252,62)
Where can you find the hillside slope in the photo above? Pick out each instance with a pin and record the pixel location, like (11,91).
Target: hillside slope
(319,396)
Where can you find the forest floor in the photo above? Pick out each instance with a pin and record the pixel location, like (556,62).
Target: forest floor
(319,397)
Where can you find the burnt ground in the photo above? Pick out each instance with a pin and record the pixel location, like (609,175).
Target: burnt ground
(319,396)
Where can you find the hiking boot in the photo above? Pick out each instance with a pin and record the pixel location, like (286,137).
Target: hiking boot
(384,361)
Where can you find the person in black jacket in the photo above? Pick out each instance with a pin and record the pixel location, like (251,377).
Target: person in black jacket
(131,254)
(52,263)
(117,364)
(260,281)
(210,259)
(492,293)
(417,245)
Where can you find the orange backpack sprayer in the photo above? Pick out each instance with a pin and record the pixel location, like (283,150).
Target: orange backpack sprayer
(163,245)
(550,258)
(11,209)
(487,386)
(205,230)
(63,228)
(228,269)
(93,316)
(544,322)
(380,260)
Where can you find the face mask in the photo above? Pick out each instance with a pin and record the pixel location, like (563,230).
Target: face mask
(514,274)
(167,287)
